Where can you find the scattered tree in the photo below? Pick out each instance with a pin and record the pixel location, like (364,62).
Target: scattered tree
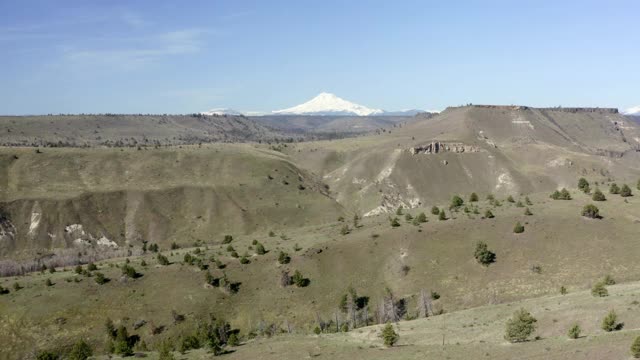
(598,195)
(456,201)
(162,260)
(519,228)
(80,351)
(614,189)
(528,212)
(610,322)
(635,347)
(608,280)
(442,216)
(473,197)
(394,222)
(345,230)
(510,199)
(625,191)
(260,250)
(574,332)
(227,239)
(591,211)
(483,255)
(599,290)
(421,218)
(284,258)
(299,280)
(399,211)
(100,278)
(488,214)
(435,210)
(583,185)
(520,326)
(389,335)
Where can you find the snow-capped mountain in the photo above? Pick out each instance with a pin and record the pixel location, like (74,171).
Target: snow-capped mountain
(221,111)
(329,104)
(632,111)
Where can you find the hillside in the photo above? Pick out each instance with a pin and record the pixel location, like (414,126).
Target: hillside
(131,130)
(498,149)
(187,194)
(320,124)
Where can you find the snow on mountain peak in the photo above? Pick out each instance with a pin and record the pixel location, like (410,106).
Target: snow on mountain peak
(329,104)
(632,111)
(221,111)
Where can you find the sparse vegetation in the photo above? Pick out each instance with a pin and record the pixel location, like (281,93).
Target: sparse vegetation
(591,211)
(574,332)
(521,325)
(610,322)
(599,290)
(483,255)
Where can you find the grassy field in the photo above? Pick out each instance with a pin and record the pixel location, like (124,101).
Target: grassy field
(570,251)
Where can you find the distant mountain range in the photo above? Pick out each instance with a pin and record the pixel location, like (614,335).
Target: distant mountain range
(324,104)
(635,111)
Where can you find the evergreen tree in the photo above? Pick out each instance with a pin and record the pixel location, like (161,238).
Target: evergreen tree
(519,228)
(284,258)
(528,212)
(598,195)
(456,201)
(162,260)
(260,250)
(389,335)
(421,218)
(80,351)
(583,185)
(345,230)
(473,197)
(435,210)
(610,322)
(442,216)
(599,290)
(510,199)
(520,326)
(488,214)
(614,189)
(591,211)
(527,201)
(564,194)
(574,332)
(625,191)
(635,348)
(122,345)
(483,255)
(394,222)
(399,211)
(100,279)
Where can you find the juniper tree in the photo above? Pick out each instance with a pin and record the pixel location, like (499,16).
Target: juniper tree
(610,322)
(483,255)
(583,185)
(635,348)
(456,201)
(574,332)
(599,290)
(80,351)
(435,210)
(442,216)
(614,189)
(519,228)
(260,250)
(389,336)
(625,191)
(598,195)
(527,201)
(510,199)
(162,260)
(394,222)
(488,214)
(528,212)
(591,211)
(422,218)
(473,197)
(284,258)
(520,326)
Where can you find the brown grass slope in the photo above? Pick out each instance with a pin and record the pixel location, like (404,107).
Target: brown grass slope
(519,149)
(159,195)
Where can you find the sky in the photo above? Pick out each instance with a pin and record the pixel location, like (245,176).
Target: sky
(153,56)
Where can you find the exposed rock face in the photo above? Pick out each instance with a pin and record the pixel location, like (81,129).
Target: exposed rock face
(436,147)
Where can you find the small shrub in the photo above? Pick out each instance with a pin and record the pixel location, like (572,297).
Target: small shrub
(519,228)
(284,258)
(435,210)
(227,239)
(625,191)
(614,189)
(100,279)
(162,260)
(591,211)
(583,185)
(92,267)
(48,282)
(635,348)
(488,214)
(80,351)
(610,322)
(456,201)
(563,290)
(442,216)
(389,335)
(520,326)
(421,218)
(598,195)
(528,212)
(599,290)
(399,210)
(608,280)
(510,199)
(345,230)
(473,197)
(299,280)
(574,332)
(129,271)
(260,250)
(394,222)
(244,260)
(483,255)
(527,201)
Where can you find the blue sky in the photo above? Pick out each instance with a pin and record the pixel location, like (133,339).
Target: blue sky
(179,57)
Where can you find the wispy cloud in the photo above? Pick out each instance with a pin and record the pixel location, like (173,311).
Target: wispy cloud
(149,48)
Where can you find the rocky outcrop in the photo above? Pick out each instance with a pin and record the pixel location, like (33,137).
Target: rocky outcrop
(557,109)
(436,147)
